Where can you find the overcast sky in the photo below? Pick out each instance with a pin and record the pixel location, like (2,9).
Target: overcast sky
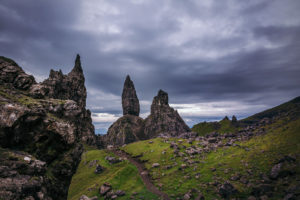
(214,58)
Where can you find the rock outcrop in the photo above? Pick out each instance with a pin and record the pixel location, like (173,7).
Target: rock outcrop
(69,87)
(126,129)
(130,127)
(163,118)
(40,135)
(13,75)
(130,102)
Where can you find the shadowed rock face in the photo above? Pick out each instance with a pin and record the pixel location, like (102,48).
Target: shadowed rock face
(130,102)
(163,118)
(13,75)
(131,128)
(127,129)
(40,137)
(72,87)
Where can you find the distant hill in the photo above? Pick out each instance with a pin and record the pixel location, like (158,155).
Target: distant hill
(290,108)
(224,126)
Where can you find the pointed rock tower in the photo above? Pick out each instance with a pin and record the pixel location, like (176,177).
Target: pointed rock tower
(130,102)
(69,87)
(128,128)
(163,118)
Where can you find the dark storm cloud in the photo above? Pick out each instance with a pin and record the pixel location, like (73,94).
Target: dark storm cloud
(198,51)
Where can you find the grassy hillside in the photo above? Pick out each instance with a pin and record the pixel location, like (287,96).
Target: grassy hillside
(290,108)
(251,159)
(244,160)
(122,176)
(223,126)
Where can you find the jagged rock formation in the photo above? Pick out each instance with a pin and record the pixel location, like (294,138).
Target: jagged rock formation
(40,138)
(130,102)
(131,128)
(128,128)
(70,86)
(163,118)
(13,75)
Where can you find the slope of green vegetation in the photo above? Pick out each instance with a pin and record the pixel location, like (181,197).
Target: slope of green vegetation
(122,176)
(291,108)
(257,155)
(223,126)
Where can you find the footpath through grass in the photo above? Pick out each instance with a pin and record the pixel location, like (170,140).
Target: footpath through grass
(122,176)
(250,159)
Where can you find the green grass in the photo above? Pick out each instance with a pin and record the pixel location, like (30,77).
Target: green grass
(122,176)
(223,126)
(291,107)
(282,138)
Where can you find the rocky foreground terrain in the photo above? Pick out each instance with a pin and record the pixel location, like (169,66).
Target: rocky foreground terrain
(42,128)
(257,158)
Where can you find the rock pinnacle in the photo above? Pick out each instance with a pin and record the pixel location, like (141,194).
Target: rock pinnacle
(130,101)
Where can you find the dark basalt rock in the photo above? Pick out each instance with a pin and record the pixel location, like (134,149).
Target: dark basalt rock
(69,87)
(130,102)
(127,129)
(12,75)
(130,127)
(227,189)
(163,118)
(46,132)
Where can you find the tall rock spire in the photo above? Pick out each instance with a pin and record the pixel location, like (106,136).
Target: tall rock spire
(130,101)
(77,66)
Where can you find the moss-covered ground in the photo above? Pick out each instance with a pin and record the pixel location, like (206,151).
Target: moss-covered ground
(122,176)
(223,126)
(252,158)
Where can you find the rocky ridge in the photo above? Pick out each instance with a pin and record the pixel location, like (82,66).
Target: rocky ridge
(41,130)
(130,127)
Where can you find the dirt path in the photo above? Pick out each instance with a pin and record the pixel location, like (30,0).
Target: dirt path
(143,173)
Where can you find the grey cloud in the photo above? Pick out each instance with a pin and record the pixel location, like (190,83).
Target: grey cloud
(256,45)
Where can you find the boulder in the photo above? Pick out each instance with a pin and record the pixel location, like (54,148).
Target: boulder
(226,190)
(99,169)
(105,188)
(112,160)
(83,197)
(155,165)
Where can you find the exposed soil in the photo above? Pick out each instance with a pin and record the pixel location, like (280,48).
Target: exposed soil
(143,173)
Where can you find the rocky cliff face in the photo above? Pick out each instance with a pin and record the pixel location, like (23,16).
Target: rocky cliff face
(41,130)
(163,118)
(68,87)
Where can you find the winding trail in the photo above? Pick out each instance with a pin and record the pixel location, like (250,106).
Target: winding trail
(143,173)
